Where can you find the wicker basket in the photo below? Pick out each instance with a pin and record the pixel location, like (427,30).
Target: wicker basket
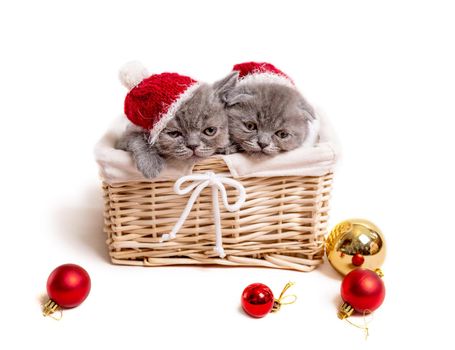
(281,224)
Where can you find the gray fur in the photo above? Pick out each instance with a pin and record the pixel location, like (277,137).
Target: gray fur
(198,130)
(260,113)
(146,157)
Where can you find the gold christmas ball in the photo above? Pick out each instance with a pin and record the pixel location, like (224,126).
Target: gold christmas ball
(355,243)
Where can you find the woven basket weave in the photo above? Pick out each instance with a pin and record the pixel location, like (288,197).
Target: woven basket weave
(281,224)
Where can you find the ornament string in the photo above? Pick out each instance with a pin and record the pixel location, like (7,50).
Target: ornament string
(280,301)
(199,182)
(364,327)
(60,313)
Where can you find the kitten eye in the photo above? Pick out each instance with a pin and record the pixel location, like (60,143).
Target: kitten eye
(251,126)
(210,131)
(174,134)
(282,134)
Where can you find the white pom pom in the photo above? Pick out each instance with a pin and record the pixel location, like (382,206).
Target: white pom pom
(132,73)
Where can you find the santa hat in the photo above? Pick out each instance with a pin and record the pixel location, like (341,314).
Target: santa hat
(153,100)
(261,72)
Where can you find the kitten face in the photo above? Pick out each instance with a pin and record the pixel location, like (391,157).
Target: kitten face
(267,118)
(200,126)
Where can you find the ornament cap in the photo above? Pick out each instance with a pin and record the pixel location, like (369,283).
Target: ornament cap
(50,307)
(379,272)
(276,306)
(345,311)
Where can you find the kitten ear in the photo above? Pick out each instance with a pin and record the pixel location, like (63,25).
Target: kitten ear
(309,114)
(224,86)
(313,124)
(234,97)
(307,110)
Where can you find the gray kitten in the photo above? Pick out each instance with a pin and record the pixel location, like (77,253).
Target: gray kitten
(267,118)
(198,130)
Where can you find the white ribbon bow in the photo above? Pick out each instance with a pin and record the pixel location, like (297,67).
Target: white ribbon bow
(199,182)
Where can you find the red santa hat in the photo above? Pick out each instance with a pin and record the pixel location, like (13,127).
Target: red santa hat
(261,72)
(153,100)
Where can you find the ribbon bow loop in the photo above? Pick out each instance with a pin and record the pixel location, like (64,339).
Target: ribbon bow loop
(197,183)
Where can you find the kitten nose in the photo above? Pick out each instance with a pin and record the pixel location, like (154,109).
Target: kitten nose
(192,147)
(262,144)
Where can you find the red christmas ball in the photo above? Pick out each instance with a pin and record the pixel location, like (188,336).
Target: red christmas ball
(257,300)
(358,259)
(363,289)
(68,285)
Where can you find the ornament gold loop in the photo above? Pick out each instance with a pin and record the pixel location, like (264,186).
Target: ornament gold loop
(280,301)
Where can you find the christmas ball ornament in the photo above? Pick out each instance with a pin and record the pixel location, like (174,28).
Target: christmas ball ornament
(362,290)
(353,243)
(258,300)
(67,287)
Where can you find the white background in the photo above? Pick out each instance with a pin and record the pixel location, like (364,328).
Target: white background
(382,71)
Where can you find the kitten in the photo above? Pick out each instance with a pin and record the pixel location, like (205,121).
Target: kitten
(198,130)
(268,118)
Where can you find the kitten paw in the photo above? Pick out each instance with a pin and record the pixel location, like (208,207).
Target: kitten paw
(229,149)
(149,164)
(148,171)
(121,144)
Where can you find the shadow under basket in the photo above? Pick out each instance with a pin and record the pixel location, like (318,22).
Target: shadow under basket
(281,224)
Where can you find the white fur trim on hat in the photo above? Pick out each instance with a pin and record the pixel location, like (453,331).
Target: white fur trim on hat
(170,114)
(263,77)
(132,73)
